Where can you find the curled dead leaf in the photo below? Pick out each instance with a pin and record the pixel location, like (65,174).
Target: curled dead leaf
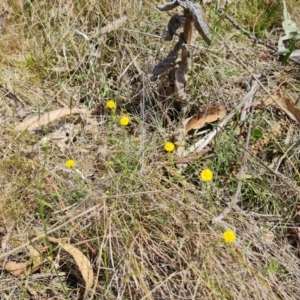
(169,6)
(46,118)
(82,262)
(20,269)
(198,121)
(170,60)
(286,105)
(175,22)
(196,11)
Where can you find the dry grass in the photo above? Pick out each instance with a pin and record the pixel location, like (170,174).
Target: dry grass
(145,227)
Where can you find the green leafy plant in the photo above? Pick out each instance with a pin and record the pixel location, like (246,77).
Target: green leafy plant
(256,133)
(292,33)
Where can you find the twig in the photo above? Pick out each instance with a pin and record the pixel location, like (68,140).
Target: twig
(245,32)
(201,144)
(235,198)
(253,37)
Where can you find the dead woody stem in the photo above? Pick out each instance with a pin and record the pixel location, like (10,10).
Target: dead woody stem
(192,14)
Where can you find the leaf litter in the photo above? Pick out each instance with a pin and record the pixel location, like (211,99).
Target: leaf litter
(198,121)
(285,104)
(48,117)
(82,262)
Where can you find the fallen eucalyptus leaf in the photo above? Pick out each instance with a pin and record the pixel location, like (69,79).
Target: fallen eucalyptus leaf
(198,121)
(46,118)
(286,105)
(82,262)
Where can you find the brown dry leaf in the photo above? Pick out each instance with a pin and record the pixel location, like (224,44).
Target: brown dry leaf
(201,26)
(175,22)
(196,11)
(15,268)
(286,105)
(211,115)
(82,262)
(19,269)
(170,60)
(35,122)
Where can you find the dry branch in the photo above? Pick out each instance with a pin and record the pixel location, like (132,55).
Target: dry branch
(235,198)
(180,75)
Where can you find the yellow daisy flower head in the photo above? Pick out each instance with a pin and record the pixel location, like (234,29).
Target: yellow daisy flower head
(229,236)
(206,175)
(111,104)
(110,163)
(124,121)
(169,146)
(70,163)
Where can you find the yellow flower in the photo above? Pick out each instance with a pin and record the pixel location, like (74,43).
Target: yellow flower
(111,104)
(207,175)
(107,192)
(70,163)
(229,236)
(169,146)
(124,121)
